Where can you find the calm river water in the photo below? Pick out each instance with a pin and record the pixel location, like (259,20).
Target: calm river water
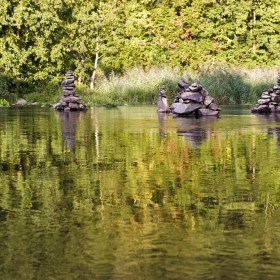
(125,193)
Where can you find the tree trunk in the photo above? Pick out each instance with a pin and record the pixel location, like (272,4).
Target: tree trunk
(94,71)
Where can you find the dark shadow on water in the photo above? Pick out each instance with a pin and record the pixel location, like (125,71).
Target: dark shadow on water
(195,130)
(69,124)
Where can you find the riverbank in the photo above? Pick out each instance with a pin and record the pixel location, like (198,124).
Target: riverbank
(136,86)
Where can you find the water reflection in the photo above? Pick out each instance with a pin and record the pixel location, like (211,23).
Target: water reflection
(69,123)
(162,118)
(128,205)
(271,119)
(195,130)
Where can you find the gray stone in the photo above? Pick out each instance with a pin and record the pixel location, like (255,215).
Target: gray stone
(204,92)
(275,99)
(207,112)
(82,106)
(195,87)
(262,108)
(73,106)
(71,99)
(162,104)
(208,100)
(191,96)
(213,106)
(67,82)
(68,92)
(173,106)
(262,101)
(183,108)
(265,95)
(21,101)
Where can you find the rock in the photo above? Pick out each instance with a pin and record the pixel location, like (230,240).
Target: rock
(191,96)
(195,87)
(265,95)
(213,107)
(73,105)
(191,99)
(162,103)
(204,92)
(21,101)
(207,112)
(186,109)
(173,106)
(208,100)
(182,86)
(263,108)
(67,81)
(263,101)
(68,92)
(275,98)
(70,100)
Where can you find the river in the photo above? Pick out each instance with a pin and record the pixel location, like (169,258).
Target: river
(126,193)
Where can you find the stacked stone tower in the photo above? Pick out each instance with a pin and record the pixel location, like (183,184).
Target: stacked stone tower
(162,101)
(193,99)
(269,101)
(70,99)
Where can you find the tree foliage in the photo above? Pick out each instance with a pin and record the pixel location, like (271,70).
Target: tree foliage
(41,40)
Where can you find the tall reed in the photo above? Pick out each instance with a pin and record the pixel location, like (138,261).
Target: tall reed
(137,86)
(226,84)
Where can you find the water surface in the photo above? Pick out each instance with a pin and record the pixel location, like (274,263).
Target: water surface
(126,193)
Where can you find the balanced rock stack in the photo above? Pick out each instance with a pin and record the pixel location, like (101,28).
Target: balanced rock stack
(70,100)
(193,99)
(269,101)
(162,101)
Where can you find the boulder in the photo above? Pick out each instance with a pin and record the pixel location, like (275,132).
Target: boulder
(191,96)
(207,112)
(191,99)
(21,101)
(208,100)
(186,109)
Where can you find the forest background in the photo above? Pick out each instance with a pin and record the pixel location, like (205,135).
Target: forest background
(123,51)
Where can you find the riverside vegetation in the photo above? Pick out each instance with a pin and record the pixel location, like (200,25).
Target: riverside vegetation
(103,41)
(137,86)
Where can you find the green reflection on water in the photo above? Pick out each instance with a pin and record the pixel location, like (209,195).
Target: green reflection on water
(125,193)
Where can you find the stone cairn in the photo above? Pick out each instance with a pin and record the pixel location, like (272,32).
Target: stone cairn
(162,101)
(193,100)
(269,101)
(70,99)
